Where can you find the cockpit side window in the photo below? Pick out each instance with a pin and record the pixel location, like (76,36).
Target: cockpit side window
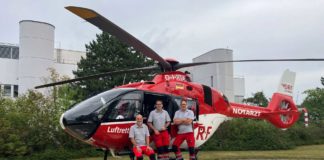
(125,108)
(191,104)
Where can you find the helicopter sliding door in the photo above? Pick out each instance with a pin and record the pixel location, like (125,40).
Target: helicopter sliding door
(149,103)
(170,104)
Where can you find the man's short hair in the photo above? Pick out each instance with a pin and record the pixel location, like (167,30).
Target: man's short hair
(183,99)
(159,100)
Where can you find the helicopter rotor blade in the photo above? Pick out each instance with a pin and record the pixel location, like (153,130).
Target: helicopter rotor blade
(183,65)
(99,75)
(105,25)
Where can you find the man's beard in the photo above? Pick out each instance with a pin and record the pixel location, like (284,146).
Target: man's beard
(139,123)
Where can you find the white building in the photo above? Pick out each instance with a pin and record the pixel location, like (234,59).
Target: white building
(239,89)
(24,66)
(218,75)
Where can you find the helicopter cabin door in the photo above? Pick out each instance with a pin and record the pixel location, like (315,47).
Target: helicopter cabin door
(170,104)
(149,103)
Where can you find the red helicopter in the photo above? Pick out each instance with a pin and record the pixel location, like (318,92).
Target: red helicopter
(104,120)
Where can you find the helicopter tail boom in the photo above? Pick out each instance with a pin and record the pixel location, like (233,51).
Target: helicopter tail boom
(281,111)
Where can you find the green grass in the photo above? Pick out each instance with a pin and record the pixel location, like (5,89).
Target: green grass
(303,152)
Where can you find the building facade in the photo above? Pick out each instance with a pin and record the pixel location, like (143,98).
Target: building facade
(26,65)
(239,89)
(9,55)
(219,76)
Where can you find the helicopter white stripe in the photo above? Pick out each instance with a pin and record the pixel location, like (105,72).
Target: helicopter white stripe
(123,122)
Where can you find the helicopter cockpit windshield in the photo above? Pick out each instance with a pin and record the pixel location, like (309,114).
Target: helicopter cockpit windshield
(83,119)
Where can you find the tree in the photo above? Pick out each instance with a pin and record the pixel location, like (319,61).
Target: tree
(258,99)
(322,80)
(30,123)
(314,102)
(106,54)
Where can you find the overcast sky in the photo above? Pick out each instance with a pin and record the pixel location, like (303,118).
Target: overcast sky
(184,29)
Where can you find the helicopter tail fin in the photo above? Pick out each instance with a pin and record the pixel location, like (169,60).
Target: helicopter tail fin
(287,82)
(283,111)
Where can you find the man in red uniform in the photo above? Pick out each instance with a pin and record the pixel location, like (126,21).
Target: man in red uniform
(183,118)
(158,121)
(140,138)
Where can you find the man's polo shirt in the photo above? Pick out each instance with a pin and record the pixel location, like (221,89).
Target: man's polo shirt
(139,134)
(184,128)
(159,118)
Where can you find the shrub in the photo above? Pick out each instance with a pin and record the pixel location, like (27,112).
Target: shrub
(248,134)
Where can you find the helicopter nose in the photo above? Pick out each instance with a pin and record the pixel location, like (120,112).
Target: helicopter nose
(82,119)
(77,127)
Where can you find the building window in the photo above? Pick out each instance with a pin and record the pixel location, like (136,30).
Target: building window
(7,90)
(15,53)
(11,52)
(15,91)
(5,52)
